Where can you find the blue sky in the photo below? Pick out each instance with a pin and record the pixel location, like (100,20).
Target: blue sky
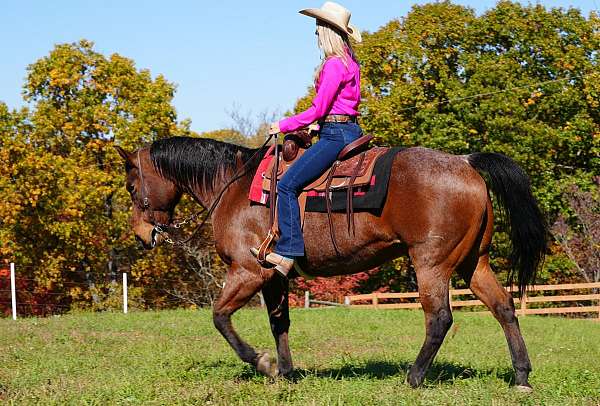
(256,55)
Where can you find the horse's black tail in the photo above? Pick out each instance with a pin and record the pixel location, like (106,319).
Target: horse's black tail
(522,216)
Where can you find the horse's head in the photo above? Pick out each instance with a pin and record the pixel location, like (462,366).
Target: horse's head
(154,198)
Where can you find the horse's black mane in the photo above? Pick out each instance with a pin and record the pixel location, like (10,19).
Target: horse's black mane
(193,162)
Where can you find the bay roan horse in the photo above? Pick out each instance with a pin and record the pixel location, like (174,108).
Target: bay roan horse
(437,210)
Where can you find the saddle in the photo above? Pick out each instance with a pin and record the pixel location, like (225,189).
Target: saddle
(352,168)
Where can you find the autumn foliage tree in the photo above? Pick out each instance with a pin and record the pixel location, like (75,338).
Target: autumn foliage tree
(577,231)
(66,221)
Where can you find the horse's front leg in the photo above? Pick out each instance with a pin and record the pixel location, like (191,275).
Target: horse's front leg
(275,293)
(241,284)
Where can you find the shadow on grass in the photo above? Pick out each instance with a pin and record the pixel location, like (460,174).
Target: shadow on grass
(439,372)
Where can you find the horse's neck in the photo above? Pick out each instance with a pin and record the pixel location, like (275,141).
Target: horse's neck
(223,190)
(234,218)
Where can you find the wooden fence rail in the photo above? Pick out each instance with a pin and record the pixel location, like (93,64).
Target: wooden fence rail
(532,296)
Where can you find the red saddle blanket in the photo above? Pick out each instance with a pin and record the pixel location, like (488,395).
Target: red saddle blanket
(257,194)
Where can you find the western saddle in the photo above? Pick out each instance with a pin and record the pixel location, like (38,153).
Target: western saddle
(352,168)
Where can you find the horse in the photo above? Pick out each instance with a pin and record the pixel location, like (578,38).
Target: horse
(437,211)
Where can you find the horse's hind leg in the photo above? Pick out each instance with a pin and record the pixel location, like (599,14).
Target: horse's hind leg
(433,284)
(487,288)
(275,293)
(241,284)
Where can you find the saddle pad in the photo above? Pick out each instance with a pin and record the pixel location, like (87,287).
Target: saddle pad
(256,193)
(369,197)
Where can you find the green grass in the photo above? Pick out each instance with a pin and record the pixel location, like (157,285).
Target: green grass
(342,356)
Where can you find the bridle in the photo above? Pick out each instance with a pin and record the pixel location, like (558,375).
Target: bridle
(145,200)
(162,229)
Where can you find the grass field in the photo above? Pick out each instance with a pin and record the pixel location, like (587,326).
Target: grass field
(342,356)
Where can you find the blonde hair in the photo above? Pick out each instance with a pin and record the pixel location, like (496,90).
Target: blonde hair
(333,43)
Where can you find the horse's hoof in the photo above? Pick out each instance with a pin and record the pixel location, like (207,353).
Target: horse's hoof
(285,374)
(414,380)
(523,388)
(264,365)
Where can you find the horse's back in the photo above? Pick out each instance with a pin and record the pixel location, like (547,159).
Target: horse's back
(432,191)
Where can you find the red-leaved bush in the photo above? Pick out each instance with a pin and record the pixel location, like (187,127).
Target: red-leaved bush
(333,289)
(393,276)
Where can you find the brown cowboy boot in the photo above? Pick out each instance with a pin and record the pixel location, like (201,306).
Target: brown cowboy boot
(282,264)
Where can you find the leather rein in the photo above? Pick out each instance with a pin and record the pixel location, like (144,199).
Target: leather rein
(162,229)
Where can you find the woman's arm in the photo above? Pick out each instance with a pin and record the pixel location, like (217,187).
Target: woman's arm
(329,84)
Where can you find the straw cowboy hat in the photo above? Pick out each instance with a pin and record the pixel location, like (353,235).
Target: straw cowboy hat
(336,15)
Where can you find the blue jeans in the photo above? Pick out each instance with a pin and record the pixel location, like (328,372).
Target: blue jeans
(312,164)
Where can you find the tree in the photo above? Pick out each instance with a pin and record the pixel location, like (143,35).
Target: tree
(578,235)
(66,222)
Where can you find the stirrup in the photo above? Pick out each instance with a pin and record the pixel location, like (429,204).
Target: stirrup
(263,249)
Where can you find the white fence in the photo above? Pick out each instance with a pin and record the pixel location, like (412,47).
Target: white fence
(13,292)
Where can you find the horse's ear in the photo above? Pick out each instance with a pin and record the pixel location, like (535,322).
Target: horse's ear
(239,162)
(124,154)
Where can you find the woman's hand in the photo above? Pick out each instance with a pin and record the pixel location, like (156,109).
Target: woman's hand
(274,128)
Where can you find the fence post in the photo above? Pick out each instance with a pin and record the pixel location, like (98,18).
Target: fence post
(347,300)
(125,292)
(306,299)
(524,303)
(13,290)
(376,300)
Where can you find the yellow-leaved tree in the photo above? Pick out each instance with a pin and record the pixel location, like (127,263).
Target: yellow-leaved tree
(64,212)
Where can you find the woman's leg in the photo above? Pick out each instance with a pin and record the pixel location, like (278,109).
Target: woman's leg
(312,164)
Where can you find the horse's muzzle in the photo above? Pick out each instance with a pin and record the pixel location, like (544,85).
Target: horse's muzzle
(153,240)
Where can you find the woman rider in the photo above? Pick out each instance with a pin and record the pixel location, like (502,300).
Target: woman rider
(335,107)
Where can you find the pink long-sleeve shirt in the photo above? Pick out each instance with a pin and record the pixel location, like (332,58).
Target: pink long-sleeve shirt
(338,92)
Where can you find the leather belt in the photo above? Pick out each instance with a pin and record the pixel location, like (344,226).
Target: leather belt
(338,118)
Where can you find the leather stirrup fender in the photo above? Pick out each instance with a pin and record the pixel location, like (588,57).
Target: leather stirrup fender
(349,195)
(328,206)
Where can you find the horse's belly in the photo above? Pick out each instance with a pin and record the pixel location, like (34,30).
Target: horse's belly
(363,259)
